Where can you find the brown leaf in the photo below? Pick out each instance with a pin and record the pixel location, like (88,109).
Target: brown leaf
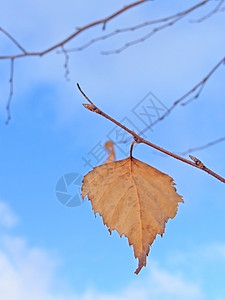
(134,199)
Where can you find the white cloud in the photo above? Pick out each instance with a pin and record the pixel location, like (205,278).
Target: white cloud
(25,272)
(167,285)
(213,252)
(219,249)
(159,285)
(30,273)
(7,218)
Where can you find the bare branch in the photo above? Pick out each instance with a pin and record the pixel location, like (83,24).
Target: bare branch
(13,40)
(165,22)
(201,166)
(212,143)
(77,32)
(198,87)
(61,44)
(213,12)
(66,64)
(8,105)
(169,21)
(142,39)
(202,83)
(139,139)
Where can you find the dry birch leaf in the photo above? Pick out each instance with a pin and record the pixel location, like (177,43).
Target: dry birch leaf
(110,148)
(134,199)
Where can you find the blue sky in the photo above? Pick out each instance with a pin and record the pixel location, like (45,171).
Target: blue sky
(52,251)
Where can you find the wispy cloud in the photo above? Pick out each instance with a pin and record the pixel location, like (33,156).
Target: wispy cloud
(160,284)
(28,272)
(7,217)
(172,285)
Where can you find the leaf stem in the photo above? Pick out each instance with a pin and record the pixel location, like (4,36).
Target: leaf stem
(131,149)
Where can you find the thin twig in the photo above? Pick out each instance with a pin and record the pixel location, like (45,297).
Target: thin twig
(143,38)
(77,32)
(8,105)
(66,63)
(171,20)
(202,83)
(13,40)
(214,11)
(198,87)
(222,139)
(92,107)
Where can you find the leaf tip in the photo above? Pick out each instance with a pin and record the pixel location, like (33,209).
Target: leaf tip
(141,264)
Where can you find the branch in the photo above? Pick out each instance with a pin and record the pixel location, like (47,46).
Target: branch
(222,139)
(166,22)
(13,40)
(79,30)
(198,164)
(169,21)
(198,87)
(61,44)
(10,92)
(217,9)
(66,64)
